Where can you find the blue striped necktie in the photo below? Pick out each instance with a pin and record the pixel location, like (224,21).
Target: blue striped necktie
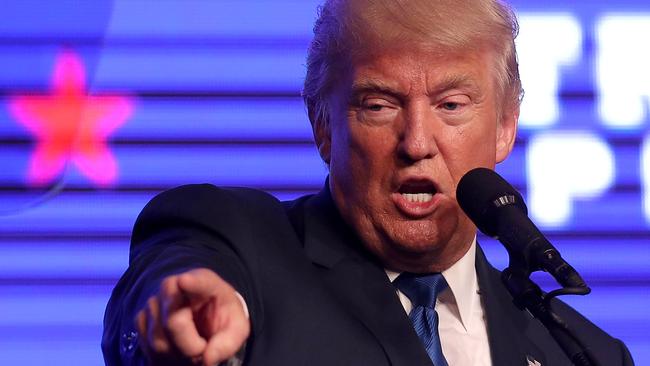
(423,290)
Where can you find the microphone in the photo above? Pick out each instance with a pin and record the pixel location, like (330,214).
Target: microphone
(499,211)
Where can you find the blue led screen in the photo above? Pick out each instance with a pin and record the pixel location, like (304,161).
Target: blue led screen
(103,104)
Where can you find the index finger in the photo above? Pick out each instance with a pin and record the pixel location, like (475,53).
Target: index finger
(200,284)
(178,320)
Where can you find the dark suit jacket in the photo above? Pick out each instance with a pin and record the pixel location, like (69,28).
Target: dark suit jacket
(315,296)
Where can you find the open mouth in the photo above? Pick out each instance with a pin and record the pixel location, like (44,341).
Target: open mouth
(420,191)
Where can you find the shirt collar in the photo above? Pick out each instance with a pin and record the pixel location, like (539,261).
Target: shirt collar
(461,278)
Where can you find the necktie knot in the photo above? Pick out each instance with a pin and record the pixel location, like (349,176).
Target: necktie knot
(422,290)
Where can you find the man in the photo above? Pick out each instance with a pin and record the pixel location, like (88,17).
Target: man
(404,97)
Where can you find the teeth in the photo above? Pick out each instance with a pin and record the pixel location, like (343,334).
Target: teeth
(418,197)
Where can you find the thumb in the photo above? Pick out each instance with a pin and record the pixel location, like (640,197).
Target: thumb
(230,335)
(220,313)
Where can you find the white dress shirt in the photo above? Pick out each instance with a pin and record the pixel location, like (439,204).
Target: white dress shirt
(462,325)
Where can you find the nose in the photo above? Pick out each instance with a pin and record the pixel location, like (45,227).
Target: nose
(417,135)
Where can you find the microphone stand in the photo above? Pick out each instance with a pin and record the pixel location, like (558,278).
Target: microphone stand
(528,295)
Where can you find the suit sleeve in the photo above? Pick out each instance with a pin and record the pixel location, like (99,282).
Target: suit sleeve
(185,228)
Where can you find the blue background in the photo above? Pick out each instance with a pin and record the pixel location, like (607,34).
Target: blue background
(215,87)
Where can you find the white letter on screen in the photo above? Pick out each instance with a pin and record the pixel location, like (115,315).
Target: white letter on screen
(563,166)
(623,69)
(645,177)
(545,43)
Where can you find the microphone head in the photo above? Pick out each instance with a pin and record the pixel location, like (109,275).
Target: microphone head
(481,192)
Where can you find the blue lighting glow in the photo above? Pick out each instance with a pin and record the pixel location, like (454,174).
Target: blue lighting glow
(215,91)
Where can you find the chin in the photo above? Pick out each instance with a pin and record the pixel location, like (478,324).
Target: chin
(420,238)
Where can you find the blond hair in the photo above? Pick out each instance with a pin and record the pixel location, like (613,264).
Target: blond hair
(345,29)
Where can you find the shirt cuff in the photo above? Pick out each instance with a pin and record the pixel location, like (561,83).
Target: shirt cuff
(243,304)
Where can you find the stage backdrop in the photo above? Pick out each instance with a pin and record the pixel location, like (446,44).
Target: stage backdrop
(103,104)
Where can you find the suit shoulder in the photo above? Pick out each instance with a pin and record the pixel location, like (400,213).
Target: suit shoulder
(604,347)
(207,197)
(204,205)
(199,194)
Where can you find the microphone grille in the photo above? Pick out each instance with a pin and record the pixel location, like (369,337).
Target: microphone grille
(480,192)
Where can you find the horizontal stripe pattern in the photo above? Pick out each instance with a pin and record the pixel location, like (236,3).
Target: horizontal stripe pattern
(215,87)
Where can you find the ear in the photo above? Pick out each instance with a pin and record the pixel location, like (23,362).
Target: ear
(506,132)
(323,138)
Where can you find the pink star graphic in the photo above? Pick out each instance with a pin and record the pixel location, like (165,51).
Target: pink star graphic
(70,126)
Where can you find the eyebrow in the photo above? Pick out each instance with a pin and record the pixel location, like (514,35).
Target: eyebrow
(375,86)
(465,82)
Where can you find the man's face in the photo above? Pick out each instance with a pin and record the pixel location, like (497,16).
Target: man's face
(404,130)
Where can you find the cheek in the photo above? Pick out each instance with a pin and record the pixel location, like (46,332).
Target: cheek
(340,145)
(469,147)
(349,162)
(369,147)
(363,165)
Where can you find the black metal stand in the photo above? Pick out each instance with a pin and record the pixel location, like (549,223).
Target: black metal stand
(528,295)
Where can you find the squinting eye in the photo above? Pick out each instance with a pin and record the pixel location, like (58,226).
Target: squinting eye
(376,111)
(450,106)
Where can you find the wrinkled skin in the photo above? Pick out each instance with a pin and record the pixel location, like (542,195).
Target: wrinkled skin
(408,121)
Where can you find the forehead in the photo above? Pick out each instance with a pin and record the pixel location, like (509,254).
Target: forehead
(429,71)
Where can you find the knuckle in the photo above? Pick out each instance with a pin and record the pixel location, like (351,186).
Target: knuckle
(240,322)
(140,321)
(152,303)
(175,323)
(235,335)
(228,345)
(152,308)
(241,332)
(191,275)
(203,271)
(203,275)
(159,346)
(167,286)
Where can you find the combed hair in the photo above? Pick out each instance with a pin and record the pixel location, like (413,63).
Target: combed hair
(349,28)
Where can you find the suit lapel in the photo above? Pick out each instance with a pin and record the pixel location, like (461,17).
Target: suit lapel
(508,326)
(356,280)
(362,287)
